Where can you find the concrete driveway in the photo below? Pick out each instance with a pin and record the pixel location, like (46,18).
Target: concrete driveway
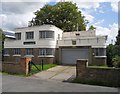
(58,73)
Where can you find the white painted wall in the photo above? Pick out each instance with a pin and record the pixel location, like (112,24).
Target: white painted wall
(40,43)
(85,38)
(72,35)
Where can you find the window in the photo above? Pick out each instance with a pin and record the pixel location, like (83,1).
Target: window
(58,36)
(18,36)
(6,51)
(29,43)
(73,42)
(29,35)
(17,51)
(29,51)
(100,52)
(46,34)
(46,51)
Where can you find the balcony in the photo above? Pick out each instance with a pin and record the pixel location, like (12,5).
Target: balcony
(90,41)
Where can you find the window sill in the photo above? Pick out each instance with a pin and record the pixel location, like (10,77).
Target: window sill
(6,55)
(46,56)
(29,56)
(16,55)
(100,56)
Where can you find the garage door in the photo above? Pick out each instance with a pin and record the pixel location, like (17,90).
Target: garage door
(69,56)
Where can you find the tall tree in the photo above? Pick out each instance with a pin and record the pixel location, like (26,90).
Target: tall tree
(64,15)
(118,38)
(92,27)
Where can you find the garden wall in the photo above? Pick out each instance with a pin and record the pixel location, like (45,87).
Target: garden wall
(22,67)
(105,75)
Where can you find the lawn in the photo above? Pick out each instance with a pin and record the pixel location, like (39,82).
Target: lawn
(45,67)
(33,69)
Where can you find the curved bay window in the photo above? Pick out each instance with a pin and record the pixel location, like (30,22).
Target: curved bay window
(46,34)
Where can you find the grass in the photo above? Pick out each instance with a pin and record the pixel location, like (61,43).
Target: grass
(33,70)
(99,67)
(23,75)
(45,67)
(95,82)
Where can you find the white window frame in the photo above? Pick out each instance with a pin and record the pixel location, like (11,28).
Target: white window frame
(97,52)
(45,34)
(17,51)
(29,51)
(30,35)
(6,52)
(18,36)
(44,52)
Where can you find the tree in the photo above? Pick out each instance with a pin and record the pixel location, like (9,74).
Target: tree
(92,27)
(113,52)
(109,52)
(2,38)
(118,38)
(64,15)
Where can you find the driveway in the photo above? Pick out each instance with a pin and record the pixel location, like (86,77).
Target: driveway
(25,84)
(58,73)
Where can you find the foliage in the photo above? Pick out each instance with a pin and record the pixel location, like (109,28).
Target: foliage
(2,38)
(118,38)
(113,52)
(110,54)
(64,15)
(116,61)
(92,27)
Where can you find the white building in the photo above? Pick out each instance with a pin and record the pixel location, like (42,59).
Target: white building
(50,43)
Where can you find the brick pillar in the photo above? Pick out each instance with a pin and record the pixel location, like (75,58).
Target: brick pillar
(24,62)
(81,67)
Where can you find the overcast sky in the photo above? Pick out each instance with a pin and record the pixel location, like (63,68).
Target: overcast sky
(103,15)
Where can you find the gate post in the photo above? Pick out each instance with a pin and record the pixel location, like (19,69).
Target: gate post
(25,64)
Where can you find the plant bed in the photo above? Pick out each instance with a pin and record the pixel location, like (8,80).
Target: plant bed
(95,82)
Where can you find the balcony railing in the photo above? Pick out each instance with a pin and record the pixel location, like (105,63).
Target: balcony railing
(83,42)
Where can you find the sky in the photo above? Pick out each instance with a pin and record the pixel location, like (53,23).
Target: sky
(101,14)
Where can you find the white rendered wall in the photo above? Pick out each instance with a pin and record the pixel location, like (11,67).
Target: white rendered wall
(40,43)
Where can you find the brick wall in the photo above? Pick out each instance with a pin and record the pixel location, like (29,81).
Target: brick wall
(35,59)
(19,68)
(107,75)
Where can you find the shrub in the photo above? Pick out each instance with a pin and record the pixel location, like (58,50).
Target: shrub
(116,61)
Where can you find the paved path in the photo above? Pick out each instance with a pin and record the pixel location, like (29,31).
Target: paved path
(25,84)
(58,73)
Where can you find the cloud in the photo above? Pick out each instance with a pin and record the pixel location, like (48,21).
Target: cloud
(25,1)
(13,21)
(99,22)
(88,5)
(20,7)
(112,32)
(114,6)
(17,14)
